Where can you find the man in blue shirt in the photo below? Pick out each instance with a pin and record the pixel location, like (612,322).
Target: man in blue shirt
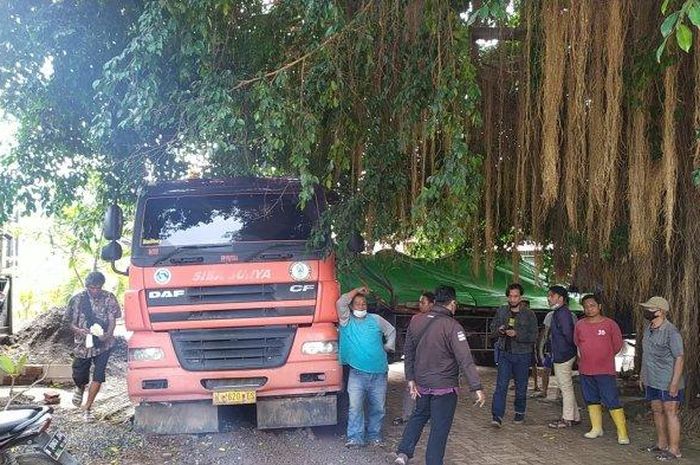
(563,355)
(364,341)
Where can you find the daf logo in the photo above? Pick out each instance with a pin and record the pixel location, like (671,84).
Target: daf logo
(162,276)
(301,287)
(166,294)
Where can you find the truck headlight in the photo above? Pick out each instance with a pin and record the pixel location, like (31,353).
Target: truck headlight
(146,354)
(319,348)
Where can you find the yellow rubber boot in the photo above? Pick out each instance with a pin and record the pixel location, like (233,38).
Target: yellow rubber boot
(595,411)
(618,416)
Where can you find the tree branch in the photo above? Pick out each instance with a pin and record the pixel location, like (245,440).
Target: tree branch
(270,74)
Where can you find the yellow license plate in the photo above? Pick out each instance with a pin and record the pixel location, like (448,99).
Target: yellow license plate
(234,397)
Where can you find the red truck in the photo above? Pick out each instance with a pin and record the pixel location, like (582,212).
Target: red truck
(228,304)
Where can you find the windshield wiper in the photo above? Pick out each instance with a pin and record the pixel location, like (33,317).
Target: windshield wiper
(264,253)
(181,248)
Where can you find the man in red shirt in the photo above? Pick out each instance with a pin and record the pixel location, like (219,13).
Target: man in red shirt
(598,340)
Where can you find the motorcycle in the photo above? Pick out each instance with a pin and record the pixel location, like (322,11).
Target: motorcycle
(24,439)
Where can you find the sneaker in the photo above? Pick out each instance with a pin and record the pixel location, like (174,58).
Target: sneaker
(377,443)
(77,399)
(497,422)
(353,444)
(398,421)
(519,419)
(401,459)
(88,417)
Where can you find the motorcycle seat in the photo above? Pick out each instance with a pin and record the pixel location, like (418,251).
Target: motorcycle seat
(9,419)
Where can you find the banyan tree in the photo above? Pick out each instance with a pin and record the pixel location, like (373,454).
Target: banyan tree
(449,124)
(590,145)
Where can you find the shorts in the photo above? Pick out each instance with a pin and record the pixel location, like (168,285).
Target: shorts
(600,389)
(81,368)
(664,396)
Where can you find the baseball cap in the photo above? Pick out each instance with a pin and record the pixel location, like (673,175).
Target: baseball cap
(656,302)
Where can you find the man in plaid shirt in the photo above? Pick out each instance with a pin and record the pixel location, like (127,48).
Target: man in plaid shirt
(92,315)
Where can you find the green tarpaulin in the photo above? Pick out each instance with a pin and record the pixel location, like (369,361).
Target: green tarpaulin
(408,277)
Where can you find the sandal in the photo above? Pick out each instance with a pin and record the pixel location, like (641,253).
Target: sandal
(77,399)
(653,448)
(561,423)
(667,456)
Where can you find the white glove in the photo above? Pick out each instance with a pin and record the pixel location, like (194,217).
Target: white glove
(96,330)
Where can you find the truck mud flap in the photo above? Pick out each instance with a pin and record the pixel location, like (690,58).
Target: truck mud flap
(193,417)
(297,412)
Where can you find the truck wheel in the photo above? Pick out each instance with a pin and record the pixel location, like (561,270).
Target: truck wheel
(34,458)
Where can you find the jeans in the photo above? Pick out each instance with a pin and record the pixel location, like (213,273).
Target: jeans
(563,374)
(511,366)
(371,387)
(408,404)
(440,410)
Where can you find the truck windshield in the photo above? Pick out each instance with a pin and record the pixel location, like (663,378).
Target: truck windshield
(224,219)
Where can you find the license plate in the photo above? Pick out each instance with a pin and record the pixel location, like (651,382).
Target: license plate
(56,445)
(234,397)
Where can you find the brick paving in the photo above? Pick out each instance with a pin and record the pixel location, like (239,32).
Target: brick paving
(474,441)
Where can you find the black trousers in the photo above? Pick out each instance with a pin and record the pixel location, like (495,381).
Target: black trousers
(81,369)
(440,410)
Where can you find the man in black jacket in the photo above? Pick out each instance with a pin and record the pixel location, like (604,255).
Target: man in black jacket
(515,325)
(436,348)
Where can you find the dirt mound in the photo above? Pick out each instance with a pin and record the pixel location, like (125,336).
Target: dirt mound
(48,339)
(48,328)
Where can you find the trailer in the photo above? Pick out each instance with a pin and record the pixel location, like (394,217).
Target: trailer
(396,282)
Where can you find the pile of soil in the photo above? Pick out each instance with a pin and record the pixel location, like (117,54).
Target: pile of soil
(49,339)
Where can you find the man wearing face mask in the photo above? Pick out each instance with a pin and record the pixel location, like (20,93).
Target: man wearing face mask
(662,376)
(563,355)
(436,348)
(515,325)
(364,341)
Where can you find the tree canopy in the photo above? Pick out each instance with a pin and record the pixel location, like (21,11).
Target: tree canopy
(378,101)
(577,128)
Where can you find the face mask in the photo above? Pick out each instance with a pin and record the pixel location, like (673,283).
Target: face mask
(359,313)
(554,306)
(649,315)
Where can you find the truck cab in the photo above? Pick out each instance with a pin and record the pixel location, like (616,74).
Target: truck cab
(229,303)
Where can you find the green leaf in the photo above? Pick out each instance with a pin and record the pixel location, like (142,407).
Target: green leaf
(694,14)
(7,365)
(669,23)
(684,36)
(660,50)
(696,177)
(664,6)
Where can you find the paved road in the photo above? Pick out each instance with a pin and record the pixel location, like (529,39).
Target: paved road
(474,441)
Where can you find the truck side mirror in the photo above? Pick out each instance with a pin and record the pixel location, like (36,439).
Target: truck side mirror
(356,243)
(111,252)
(113,223)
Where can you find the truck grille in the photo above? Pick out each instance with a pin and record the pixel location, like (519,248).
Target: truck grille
(248,293)
(233,349)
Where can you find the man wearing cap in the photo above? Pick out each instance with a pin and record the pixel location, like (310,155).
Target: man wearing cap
(563,355)
(662,376)
(92,315)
